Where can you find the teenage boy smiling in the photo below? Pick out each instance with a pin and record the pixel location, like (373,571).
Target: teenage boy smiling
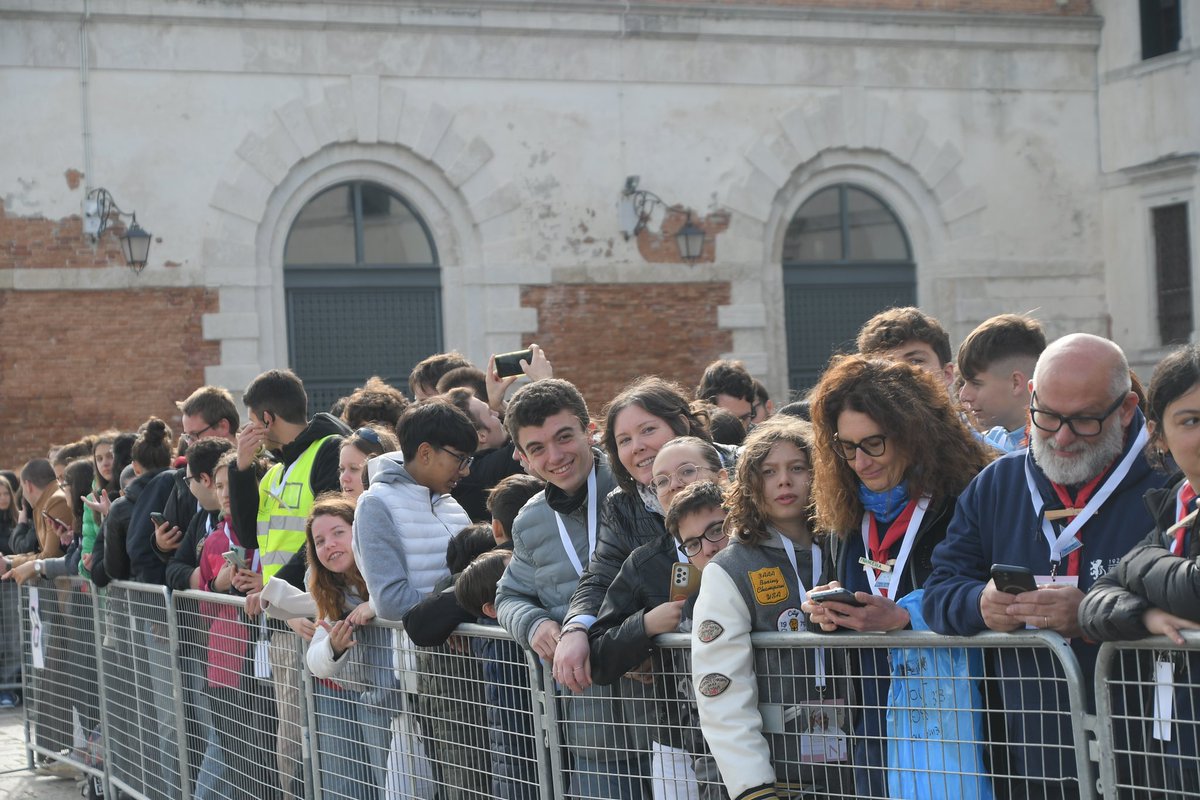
(553,537)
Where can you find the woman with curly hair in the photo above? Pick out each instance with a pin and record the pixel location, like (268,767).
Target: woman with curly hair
(759,583)
(352,728)
(891,456)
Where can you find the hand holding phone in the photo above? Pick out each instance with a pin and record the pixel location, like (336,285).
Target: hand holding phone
(1012,579)
(685,581)
(509,364)
(158,519)
(235,559)
(839,595)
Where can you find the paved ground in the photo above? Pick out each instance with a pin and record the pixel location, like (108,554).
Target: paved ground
(16,781)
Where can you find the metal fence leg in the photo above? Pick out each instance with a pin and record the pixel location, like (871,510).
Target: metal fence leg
(551,752)
(177,697)
(101,694)
(23,611)
(308,734)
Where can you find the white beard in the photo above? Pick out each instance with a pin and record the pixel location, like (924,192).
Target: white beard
(1096,454)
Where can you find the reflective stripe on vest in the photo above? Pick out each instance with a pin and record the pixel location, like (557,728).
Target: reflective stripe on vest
(284,499)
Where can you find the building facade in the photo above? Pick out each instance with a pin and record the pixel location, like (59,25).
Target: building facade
(345,187)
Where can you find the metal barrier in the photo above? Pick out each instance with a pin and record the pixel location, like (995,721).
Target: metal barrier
(184,702)
(59,678)
(11,616)
(1148,717)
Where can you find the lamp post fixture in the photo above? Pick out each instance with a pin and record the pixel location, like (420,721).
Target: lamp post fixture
(690,240)
(135,242)
(634,212)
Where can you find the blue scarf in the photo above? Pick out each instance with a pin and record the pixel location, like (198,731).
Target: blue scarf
(886,506)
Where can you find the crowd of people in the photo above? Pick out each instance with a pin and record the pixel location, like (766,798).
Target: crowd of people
(1012,485)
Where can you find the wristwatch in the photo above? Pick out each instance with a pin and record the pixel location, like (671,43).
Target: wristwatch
(38,567)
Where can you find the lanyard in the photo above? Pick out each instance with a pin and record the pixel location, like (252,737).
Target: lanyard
(906,546)
(568,545)
(879,551)
(1066,542)
(790,551)
(1186,495)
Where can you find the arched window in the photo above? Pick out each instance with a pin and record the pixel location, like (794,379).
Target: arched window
(845,258)
(362,288)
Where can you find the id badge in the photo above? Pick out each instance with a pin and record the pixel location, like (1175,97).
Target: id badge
(1164,699)
(262,659)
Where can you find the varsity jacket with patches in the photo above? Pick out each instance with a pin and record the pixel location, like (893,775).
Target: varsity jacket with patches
(742,702)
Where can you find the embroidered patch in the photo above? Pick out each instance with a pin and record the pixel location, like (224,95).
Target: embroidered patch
(769,586)
(713,684)
(708,630)
(790,621)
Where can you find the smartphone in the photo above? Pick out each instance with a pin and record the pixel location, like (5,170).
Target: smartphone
(157,518)
(235,558)
(836,595)
(508,364)
(57,521)
(1013,580)
(685,581)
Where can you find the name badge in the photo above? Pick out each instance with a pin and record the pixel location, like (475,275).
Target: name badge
(875,565)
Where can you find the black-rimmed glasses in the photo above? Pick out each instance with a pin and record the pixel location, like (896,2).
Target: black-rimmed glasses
(872,446)
(713,533)
(464,461)
(194,435)
(1080,425)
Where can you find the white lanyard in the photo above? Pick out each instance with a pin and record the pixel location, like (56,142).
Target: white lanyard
(1066,543)
(790,551)
(906,546)
(276,491)
(568,545)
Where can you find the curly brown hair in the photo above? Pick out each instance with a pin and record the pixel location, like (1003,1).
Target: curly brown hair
(919,420)
(329,588)
(662,398)
(744,499)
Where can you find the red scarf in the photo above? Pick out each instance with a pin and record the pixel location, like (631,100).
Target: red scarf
(895,532)
(1186,495)
(1078,503)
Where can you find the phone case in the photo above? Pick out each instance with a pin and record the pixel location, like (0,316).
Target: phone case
(685,581)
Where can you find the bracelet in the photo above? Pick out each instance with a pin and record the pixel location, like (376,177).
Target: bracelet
(575,626)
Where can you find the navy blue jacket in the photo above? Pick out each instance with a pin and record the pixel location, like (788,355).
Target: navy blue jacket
(995,523)
(144,564)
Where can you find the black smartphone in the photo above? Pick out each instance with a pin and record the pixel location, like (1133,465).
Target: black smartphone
(836,595)
(508,364)
(157,518)
(1013,580)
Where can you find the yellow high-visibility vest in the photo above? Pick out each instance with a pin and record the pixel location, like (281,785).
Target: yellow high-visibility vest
(284,499)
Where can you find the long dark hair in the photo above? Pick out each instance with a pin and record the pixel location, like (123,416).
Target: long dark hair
(665,400)
(8,516)
(78,475)
(919,420)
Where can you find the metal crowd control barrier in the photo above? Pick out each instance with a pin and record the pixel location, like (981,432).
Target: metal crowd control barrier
(60,687)
(11,616)
(190,698)
(1148,715)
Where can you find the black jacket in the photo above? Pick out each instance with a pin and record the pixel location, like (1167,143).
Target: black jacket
(243,485)
(490,467)
(186,557)
(1148,576)
(110,556)
(145,563)
(625,525)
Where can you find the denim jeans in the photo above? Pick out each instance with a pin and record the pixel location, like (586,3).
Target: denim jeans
(608,780)
(353,744)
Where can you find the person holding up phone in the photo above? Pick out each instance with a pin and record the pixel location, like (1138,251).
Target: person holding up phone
(39,486)
(892,454)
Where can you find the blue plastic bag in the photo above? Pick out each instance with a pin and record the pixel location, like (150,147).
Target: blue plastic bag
(935,720)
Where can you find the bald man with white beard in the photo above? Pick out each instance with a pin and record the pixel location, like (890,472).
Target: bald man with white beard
(1067,509)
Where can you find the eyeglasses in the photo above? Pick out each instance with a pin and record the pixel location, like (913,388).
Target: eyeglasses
(190,478)
(685,472)
(713,533)
(872,446)
(370,434)
(1080,425)
(464,461)
(746,419)
(193,436)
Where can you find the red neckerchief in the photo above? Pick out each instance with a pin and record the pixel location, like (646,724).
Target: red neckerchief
(895,532)
(1078,503)
(1187,496)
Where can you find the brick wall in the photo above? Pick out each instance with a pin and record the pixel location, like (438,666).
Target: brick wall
(78,362)
(600,336)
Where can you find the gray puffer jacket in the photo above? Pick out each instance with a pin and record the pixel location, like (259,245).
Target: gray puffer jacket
(605,722)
